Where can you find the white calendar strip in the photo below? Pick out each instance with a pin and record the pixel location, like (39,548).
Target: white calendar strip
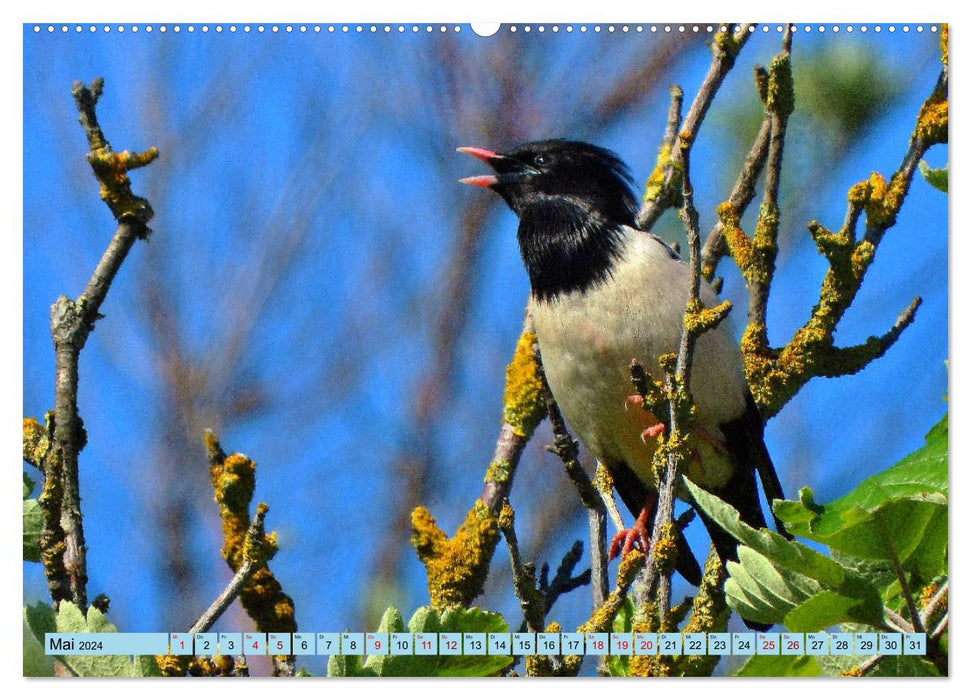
(484,644)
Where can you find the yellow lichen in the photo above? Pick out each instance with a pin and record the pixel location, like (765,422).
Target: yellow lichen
(780,93)
(36,443)
(665,163)
(665,549)
(171,665)
(603,617)
(456,568)
(709,613)
(233,481)
(884,200)
(739,245)
(932,120)
(524,404)
(499,471)
(602,479)
(944,43)
(698,319)
(726,43)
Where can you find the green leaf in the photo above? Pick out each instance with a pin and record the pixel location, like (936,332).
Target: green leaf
(35,662)
(779,667)
(33,526)
(69,618)
(889,666)
(28,486)
(427,619)
(825,609)
(339,665)
(38,620)
(775,576)
(619,666)
(937,177)
(898,513)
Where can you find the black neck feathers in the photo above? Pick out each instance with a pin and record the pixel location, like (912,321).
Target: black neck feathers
(565,247)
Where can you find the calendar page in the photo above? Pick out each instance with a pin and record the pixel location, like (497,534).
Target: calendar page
(396,349)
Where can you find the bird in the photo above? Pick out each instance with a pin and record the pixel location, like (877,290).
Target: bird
(603,293)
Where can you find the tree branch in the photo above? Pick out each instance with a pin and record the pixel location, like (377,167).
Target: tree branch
(743,192)
(664,184)
(229,594)
(567,449)
(72,321)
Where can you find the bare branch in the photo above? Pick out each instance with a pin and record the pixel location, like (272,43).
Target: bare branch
(743,192)
(72,321)
(725,47)
(226,598)
(567,449)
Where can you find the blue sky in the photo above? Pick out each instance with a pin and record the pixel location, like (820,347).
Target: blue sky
(350,139)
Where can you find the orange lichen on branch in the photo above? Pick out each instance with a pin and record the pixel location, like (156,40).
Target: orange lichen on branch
(111,168)
(523,402)
(603,617)
(233,481)
(709,613)
(932,119)
(880,200)
(739,244)
(37,443)
(698,318)
(456,568)
(171,665)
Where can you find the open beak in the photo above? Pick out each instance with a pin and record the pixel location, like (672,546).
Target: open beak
(488,157)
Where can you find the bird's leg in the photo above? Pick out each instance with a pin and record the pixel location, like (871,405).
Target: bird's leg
(638,535)
(652,432)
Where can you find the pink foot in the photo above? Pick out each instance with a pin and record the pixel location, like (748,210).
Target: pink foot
(652,432)
(637,536)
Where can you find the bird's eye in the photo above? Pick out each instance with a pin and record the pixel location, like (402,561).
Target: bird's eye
(541,159)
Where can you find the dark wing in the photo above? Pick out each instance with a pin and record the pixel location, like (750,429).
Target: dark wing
(633,493)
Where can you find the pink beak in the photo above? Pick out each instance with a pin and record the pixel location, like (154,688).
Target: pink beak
(486,156)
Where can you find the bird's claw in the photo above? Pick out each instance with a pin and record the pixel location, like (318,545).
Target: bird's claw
(653,432)
(635,537)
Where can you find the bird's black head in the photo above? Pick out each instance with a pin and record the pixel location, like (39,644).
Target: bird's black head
(573,200)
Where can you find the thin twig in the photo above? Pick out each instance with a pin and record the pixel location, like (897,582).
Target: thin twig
(226,598)
(898,569)
(867,665)
(896,622)
(531,601)
(564,581)
(743,192)
(509,447)
(766,235)
(567,449)
(606,494)
(678,382)
(725,51)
